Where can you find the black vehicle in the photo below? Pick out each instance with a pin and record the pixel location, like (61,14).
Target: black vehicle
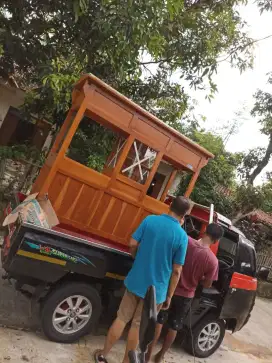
(72,277)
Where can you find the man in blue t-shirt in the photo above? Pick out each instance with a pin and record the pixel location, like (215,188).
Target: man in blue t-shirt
(159,246)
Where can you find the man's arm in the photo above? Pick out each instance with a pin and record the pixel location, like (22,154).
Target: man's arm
(133,247)
(178,262)
(175,276)
(137,238)
(206,283)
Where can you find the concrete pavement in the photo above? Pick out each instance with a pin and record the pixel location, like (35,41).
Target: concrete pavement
(252,344)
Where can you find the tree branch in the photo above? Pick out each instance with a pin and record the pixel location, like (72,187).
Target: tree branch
(254,41)
(243,47)
(262,163)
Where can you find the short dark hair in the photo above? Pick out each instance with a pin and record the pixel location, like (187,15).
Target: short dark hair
(180,206)
(214,231)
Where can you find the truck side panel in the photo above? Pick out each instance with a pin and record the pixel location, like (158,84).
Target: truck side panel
(46,257)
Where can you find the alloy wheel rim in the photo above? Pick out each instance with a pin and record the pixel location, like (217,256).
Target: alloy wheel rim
(208,337)
(72,314)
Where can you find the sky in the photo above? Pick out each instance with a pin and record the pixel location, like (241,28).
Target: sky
(235,90)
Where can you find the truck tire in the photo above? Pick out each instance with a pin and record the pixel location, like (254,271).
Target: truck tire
(70,311)
(206,337)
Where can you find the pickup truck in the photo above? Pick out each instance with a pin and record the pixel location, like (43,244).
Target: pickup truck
(73,276)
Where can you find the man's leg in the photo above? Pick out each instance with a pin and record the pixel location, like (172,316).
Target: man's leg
(124,315)
(167,343)
(154,342)
(177,312)
(114,334)
(133,334)
(132,341)
(161,320)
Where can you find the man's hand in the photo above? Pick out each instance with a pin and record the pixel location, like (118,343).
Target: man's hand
(167,303)
(133,247)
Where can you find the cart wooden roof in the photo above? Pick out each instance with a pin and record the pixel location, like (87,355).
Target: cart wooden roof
(91,80)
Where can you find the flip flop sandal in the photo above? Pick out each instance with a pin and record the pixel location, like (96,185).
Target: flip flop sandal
(99,358)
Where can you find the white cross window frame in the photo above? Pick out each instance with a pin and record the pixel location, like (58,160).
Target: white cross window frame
(138,162)
(115,157)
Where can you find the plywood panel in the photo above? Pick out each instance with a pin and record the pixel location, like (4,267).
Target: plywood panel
(101,211)
(70,195)
(114,112)
(125,224)
(56,187)
(85,204)
(155,136)
(113,215)
(82,173)
(125,190)
(187,157)
(155,205)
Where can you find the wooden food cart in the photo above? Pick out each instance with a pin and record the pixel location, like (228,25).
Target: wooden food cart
(146,160)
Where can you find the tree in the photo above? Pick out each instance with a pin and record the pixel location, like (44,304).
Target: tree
(249,162)
(46,45)
(216,182)
(264,5)
(263,109)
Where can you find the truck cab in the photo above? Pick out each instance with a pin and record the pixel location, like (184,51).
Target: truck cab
(228,303)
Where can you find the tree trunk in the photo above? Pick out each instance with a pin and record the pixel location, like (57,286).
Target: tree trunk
(262,164)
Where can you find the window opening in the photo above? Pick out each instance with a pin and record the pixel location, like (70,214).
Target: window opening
(96,146)
(116,154)
(227,247)
(192,226)
(139,162)
(160,180)
(247,259)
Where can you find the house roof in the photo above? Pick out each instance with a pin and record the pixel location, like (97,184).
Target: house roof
(260,216)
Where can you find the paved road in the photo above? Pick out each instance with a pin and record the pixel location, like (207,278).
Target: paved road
(252,344)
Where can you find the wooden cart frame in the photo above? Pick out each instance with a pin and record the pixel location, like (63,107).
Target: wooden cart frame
(110,204)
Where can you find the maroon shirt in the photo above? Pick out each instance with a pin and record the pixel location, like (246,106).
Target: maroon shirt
(200,263)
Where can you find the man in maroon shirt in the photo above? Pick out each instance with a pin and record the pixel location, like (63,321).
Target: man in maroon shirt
(201,266)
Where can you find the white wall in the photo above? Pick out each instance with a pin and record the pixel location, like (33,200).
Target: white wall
(9,97)
(166,169)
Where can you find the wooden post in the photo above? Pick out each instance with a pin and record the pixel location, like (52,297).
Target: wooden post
(64,147)
(191,184)
(168,185)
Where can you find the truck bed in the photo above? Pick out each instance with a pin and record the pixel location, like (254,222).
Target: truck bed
(40,255)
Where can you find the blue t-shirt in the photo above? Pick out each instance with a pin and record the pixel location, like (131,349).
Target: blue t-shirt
(162,243)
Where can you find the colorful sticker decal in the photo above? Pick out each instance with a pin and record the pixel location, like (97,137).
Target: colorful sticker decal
(49,251)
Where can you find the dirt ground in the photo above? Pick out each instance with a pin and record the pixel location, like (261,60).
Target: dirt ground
(18,346)
(22,341)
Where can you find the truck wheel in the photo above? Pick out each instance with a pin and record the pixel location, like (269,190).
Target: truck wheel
(70,311)
(206,337)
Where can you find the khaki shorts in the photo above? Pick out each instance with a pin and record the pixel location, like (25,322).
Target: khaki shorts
(131,308)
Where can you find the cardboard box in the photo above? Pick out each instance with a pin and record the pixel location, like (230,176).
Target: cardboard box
(34,210)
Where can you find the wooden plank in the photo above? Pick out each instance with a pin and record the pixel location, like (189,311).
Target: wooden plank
(85,204)
(185,156)
(158,138)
